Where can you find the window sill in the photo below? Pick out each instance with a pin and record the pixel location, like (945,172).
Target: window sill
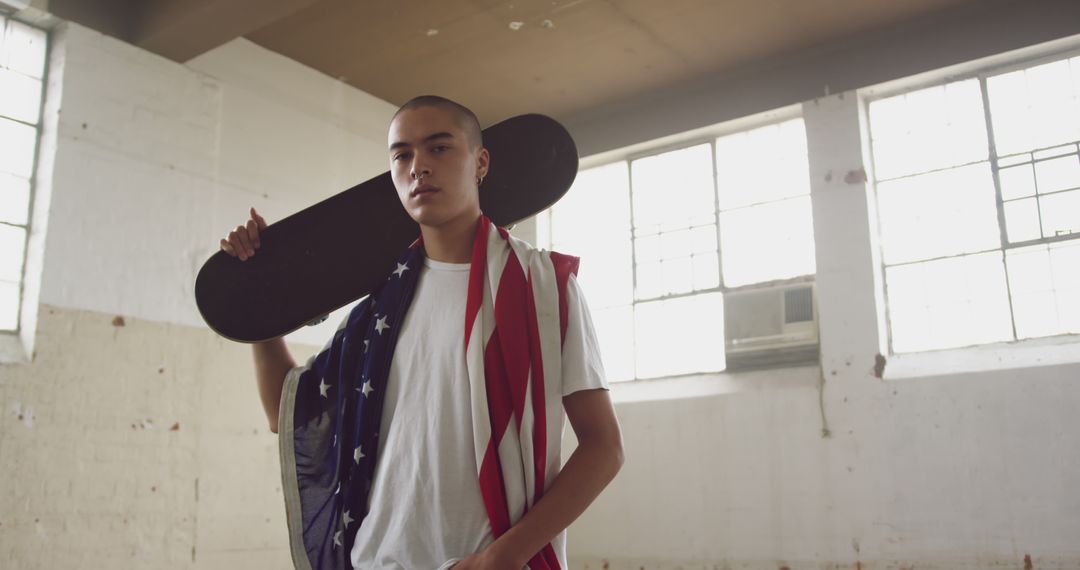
(715,384)
(1032,353)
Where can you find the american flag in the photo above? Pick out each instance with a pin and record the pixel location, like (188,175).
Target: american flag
(515,323)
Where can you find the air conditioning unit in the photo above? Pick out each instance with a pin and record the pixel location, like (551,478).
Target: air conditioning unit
(771,326)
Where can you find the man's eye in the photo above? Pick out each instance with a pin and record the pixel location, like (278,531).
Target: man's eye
(441,148)
(401,156)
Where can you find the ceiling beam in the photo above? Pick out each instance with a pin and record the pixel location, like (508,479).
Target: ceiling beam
(110,17)
(183,29)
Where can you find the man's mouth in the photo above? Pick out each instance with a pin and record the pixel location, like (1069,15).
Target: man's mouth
(424,189)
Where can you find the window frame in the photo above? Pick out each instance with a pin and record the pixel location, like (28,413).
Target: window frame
(980,71)
(703,136)
(16,345)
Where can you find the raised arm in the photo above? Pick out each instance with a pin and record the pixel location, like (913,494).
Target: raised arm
(272,358)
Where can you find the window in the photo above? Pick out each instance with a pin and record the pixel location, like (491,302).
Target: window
(978,187)
(22,71)
(667,235)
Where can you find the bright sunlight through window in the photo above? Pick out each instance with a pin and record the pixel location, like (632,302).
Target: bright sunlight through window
(664,236)
(978,185)
(22,70)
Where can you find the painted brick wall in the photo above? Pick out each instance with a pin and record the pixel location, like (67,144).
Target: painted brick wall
(135,438)
(135,444)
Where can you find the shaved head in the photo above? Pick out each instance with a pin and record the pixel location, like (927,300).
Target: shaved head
(464,117)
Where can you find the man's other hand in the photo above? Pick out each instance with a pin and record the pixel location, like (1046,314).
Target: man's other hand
(244,240)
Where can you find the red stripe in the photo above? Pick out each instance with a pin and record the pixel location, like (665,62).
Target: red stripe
(565,265)
(494,492)
(539,402)
(511,307)
(545,559)
(511,353)
(492,486)
(476,276)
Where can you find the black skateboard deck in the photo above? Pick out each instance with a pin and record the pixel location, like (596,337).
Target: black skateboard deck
(338,250)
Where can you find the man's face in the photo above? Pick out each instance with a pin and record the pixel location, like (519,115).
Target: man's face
(433,168)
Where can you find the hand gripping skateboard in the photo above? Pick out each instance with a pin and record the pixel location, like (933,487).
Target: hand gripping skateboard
(338,250)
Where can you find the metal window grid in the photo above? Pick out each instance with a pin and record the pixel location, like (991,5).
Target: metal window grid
(983,75)
(4,21)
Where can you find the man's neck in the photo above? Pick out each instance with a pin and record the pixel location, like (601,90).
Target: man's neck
(451,242)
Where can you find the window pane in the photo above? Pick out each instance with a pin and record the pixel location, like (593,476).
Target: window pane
(680,336)
(1022,220)
(22,96)
(1045,284)
(24,49)
(647,249)
(1034,108)
(1060,213)
(673,190)
(767,242)
(1058,174)
(12,247)
(615,330)
(938,214)
(593,221)
(14,199)
(928,129)
(17,141)
(650,282)
(1017,182)
(703,239)
(9,306)
(948,303)
(675,244)
(706,271)
(677,275)
(762,165)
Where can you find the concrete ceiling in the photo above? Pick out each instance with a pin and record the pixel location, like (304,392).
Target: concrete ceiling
(559,57)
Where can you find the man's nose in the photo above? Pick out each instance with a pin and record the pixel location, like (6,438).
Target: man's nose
(420,169)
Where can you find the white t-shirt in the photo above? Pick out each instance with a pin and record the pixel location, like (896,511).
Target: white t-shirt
(425,506)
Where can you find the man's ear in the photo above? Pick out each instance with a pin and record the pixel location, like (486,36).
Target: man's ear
(483,161)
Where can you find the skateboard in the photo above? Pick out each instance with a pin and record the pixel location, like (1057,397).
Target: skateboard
(340,249)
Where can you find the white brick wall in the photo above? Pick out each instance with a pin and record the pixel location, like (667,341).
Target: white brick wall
(156,161)
(136,446)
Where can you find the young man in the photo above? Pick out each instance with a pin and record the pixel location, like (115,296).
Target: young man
(426,434)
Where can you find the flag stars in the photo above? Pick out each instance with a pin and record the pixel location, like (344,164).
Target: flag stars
(401,268)
(346,519)
(380,325)
(358,454)
(367,389)
(367,343)
(323,387)
(337,538)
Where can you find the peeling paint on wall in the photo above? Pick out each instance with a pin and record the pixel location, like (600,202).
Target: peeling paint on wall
(855,176)
(879,365)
